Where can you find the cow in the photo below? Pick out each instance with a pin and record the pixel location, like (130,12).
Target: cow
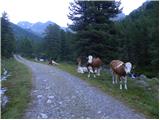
(80,68)
(120,69)
(94,65)
(52,62)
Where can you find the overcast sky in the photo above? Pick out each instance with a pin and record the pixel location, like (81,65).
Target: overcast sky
(45,10)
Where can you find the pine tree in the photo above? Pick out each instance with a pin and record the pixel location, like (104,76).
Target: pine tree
(64,45)
(91,21)
(7,37)
(25,47)
(52,44)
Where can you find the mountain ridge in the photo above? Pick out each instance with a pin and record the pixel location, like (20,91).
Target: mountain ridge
(37,28)
(21,33)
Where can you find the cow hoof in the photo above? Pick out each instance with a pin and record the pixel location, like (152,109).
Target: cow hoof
(120,87)
(125,87)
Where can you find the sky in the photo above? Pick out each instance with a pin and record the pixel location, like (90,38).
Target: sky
(49,10)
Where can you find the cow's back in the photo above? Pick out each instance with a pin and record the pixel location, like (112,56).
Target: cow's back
(117,67)
(97,62)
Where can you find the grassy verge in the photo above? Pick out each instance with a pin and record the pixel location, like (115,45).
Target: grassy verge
(18,89)
(141,99)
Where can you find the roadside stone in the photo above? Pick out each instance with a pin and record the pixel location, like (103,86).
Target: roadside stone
(143,76)
(60,103)
(39,96)
(99,112)
(47,88)
(50,97)
(49,101)
(44,116)
(44,80)
(35,91)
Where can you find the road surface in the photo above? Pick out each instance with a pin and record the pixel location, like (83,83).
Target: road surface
(57,94)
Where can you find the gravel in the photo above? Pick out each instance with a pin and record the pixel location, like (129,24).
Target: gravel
(59,95)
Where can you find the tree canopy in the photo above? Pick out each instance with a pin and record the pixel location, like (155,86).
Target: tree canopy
(7,37)
(91,21)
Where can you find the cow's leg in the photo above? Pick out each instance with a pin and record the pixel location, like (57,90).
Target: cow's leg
(88,73)
(94,72)
(125,82)
(94,75)
(116,77)
(113,77)
(120,82)
(98,71)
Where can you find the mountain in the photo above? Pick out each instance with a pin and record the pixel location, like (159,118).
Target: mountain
(25,25)
(119,17)
(21,33)
(38,28)
(66,29)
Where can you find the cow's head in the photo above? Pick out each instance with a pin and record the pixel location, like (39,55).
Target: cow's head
(127,67)
(90,59)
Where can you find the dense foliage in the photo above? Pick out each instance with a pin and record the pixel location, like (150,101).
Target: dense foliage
(138,38)
(57,43)
(25,47)
(7,37)
(95,30)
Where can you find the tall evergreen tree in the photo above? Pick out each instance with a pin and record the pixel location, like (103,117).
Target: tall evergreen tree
(64,45)
(25,47)
(52,44)
(91,21)
(7,37)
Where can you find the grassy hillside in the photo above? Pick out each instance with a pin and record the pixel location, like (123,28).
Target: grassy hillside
(18,89)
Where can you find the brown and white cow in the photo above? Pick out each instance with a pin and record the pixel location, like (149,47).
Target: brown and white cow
(120,69)
(94,65)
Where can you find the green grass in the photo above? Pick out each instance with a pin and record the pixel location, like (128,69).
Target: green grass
(141,99)
(18,89)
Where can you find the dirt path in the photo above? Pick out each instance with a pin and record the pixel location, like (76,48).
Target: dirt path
(58,94)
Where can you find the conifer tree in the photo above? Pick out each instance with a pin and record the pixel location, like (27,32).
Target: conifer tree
(91,21)
(7,37)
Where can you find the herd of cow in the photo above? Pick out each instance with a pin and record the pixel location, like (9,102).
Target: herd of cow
(119,69)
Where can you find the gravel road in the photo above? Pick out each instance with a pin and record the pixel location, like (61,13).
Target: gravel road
(57,94)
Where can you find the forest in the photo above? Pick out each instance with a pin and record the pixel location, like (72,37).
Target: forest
(93,31)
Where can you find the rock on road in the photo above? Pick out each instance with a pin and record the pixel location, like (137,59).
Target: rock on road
(57,94)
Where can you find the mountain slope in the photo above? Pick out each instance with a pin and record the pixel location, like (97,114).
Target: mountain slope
(20,33)
(38,28)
